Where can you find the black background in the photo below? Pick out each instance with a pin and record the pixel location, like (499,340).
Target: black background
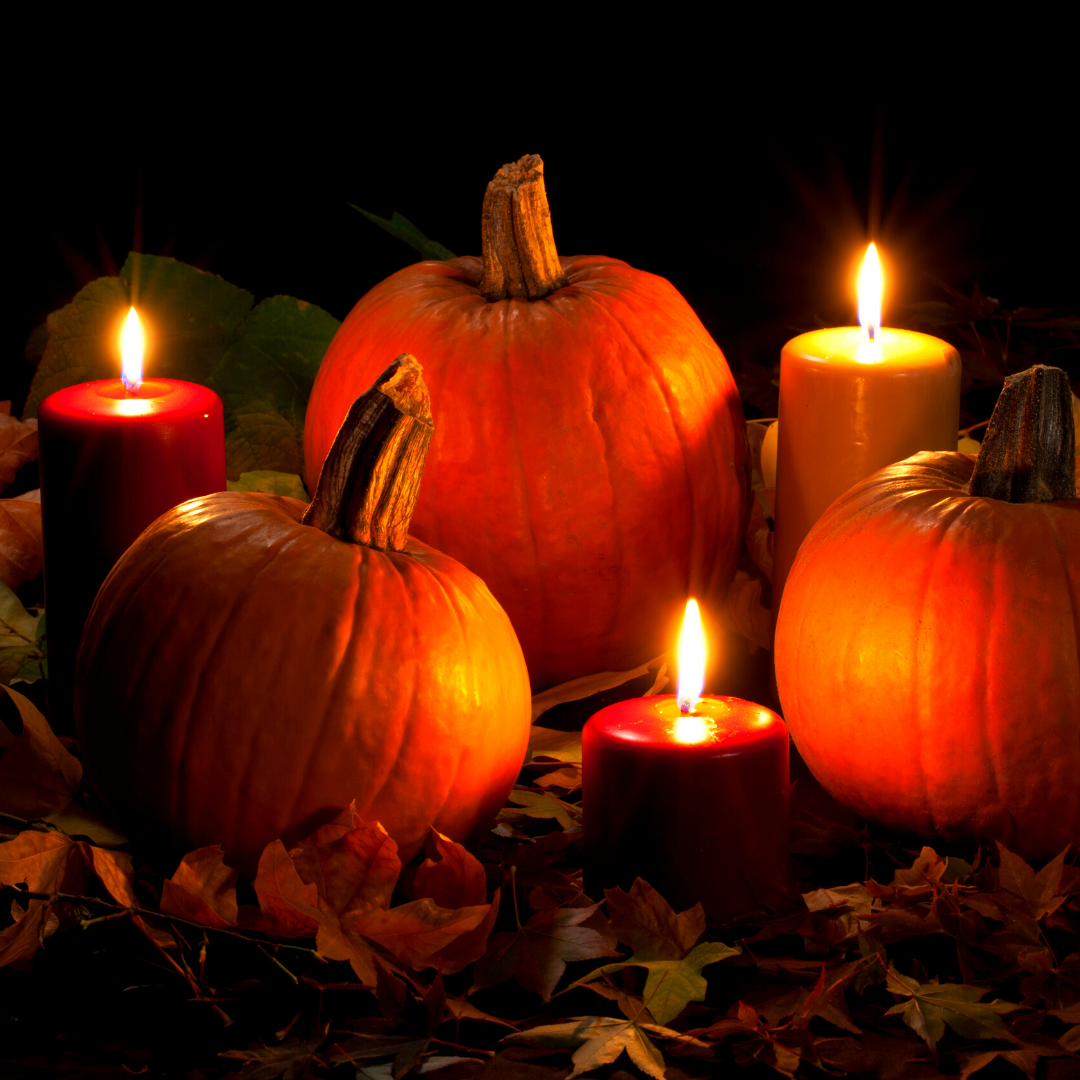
(751,181)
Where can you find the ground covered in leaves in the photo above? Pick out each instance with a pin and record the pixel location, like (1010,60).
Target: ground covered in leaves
(891,959)
(337,961)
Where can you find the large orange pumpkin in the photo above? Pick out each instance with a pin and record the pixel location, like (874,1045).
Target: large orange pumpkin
(928,642)
(244,675)
(589,462)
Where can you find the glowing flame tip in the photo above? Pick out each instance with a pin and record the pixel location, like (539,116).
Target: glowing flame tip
(132,344)
(691,659)
(870,289)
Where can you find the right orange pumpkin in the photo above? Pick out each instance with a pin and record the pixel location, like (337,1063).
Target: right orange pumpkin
(928,643)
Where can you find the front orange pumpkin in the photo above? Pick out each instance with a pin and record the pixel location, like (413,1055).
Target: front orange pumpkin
(928,643)
(589,462)
(244,676)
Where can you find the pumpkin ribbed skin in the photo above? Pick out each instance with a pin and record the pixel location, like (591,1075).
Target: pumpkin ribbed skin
(244,677)
(928,657)
(589,458)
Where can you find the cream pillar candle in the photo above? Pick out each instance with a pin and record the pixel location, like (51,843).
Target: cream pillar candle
(854,399)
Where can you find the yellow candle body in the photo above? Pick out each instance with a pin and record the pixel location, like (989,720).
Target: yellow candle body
(848,407)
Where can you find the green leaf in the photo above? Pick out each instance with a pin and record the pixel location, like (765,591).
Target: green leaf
(273,483)
(20,639)
(672,984)
(17,626)
(261,359)
(930,1006)
(401,227)
(265,377)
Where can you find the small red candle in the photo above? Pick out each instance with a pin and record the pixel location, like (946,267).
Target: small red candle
(114,455)
(689,793)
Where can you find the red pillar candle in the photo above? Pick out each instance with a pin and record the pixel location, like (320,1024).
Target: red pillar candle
(691,794)
(114,455)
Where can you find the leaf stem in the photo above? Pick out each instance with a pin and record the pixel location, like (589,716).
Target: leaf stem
(74,898)
(458,1046)
(513,893)
(278,963)
(37,824)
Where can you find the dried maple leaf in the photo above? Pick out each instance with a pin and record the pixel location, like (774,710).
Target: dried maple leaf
(568,778)
(470,946)
(420,933)
(362,1047)
(536,954)
(586,686)
(759,1044)
(1025,1056)
(539,804)
(50,862)
(885,1056)
(600,1040)
(289,1061)
(18,446)
(455,879)
(931,869)
(930,1006)
(38,776)
(353,866)
(334,943)
(645,922)
(289,906)
(1040,892)
(21,555)
(390,992)
(463,1009)
(826,998)
(46,862)
(203,889)
(116,872)
(547,744)
(844,904)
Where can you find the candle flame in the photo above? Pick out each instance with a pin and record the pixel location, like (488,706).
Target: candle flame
(870,288)
(132,344)
(691,660)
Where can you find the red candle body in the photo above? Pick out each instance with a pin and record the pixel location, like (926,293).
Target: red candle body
(111,462)
(699,820)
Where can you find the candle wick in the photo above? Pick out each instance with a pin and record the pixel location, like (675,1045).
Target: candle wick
(870,331)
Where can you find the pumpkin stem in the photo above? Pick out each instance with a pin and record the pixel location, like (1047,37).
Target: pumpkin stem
(370,480)
(1028,454)
(519,247)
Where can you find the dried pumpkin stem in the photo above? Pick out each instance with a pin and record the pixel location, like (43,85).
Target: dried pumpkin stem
(1028,454)
(519,247)
(370,480)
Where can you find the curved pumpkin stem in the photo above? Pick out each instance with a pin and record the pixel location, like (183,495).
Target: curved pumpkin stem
(519,247)
(370,480)
(1028,454)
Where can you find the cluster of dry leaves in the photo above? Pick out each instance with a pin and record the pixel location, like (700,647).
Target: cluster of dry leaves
(939,971)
